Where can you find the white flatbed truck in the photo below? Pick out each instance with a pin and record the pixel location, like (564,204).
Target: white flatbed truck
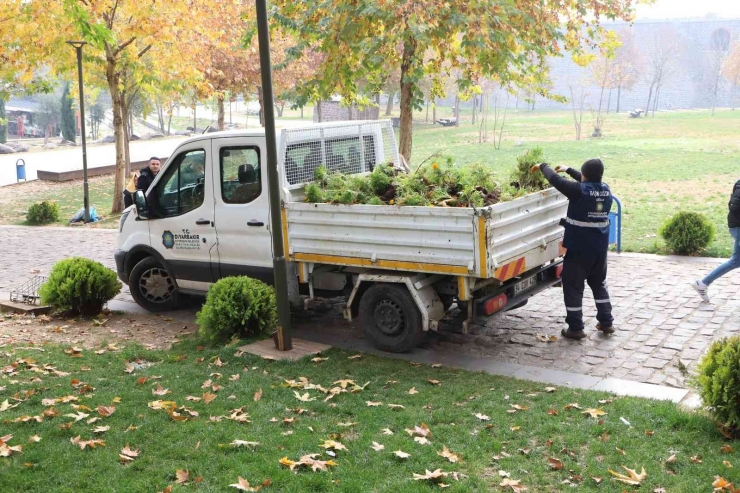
(206,216)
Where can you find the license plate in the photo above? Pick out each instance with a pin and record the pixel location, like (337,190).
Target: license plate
(525,285)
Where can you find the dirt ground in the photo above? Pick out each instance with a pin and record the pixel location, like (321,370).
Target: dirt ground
(152,331)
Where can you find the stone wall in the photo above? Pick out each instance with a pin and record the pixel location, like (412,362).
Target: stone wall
(333,111)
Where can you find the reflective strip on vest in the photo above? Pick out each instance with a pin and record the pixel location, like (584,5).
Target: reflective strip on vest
(583,224)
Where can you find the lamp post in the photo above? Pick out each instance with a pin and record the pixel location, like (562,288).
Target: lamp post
(78,47)
(284,340)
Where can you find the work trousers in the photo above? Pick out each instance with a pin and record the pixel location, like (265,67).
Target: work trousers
(591,268)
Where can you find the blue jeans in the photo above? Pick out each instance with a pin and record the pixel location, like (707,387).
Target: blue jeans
(731,264)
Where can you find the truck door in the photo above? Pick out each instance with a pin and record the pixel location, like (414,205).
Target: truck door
(242,208)
(181,226)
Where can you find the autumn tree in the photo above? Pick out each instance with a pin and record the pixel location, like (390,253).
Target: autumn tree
(661,62)
(731,68)
(601,72)
(482,38)
(626,66)
(719,47)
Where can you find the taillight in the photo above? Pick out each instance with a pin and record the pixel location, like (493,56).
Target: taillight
(495,304)
(559,271)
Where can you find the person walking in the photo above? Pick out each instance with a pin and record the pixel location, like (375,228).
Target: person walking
(587,242)
(733,223)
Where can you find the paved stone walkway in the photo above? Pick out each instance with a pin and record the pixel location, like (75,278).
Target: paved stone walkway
(661,323)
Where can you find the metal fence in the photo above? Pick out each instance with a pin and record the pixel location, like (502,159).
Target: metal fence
(347,147)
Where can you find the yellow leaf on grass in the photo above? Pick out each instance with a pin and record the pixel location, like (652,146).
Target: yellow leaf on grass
(160,391)
(422,440)
(303,398)
(434,382)
(34,439)
(208,397)
(449,454)
(387,431)
(258,395)
(401,455)
(514,484)
(181,476)
(166,405)
(106,411)
(727,463)
(412,391)
(481,417)
(633,479)
(721,483)
(377,447)
(243,485)
(594,413)
(373,404)
(331,444)
(433,475)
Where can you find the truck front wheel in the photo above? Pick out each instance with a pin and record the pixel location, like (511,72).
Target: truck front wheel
(390,318)
(152,287)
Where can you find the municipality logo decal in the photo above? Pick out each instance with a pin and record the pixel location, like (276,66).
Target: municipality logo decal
(600,207)
(168,239)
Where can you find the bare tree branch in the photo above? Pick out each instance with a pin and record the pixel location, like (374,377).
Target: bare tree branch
(143,52)
(123,46)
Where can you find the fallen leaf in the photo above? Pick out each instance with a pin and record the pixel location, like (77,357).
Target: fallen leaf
(550,389)
(649,433)
(208,397)
(396,406)
(127,454)
(594,413)
(181,476)
(555,463)
(726,449)
(633,479)
(401,455)
(721,483)
(572,406)
(303,398)
(318,359)
(332,445)
(515,485)
(515,428)
(481,417)
(412,391)
(32,439)
(100,429)
(620,451)
(356,356)
(552,412)
(258,395)
(696,459)
(106,411)
(387,431)
(243,485)
(377,447)
(373,404)
(77,417)
(671,459)
(160,391)
(434,382)
(422,440)
(727,463)
(433,475)
(598,480)
(449,454)
(218,362)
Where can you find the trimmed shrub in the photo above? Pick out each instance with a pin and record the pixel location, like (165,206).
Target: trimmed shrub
(79,286)
(687,233)
(43,213)
(238,305)
(718,382)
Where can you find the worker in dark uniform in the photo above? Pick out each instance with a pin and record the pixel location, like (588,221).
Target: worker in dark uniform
(147,174)
(586,240)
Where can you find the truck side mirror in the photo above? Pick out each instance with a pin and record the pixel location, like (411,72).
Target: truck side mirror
(142,210)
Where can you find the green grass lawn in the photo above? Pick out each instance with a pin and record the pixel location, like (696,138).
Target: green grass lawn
(15,200)
(513,439)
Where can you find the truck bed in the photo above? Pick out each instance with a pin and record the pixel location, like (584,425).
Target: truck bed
(500,241)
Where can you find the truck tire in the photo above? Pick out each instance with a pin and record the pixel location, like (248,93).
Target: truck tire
(390,318)
(152,287)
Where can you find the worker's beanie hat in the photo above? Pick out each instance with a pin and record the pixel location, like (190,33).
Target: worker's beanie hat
(593,169)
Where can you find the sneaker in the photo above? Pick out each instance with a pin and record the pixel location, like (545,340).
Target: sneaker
(606,329)
(573,334)
(701,289)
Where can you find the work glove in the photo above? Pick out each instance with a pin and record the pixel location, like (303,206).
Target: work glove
(561,169)
(536,168)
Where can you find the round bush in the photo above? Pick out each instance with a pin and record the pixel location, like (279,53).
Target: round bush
(79,286)
(718,382)
(238,305)
(687,233)
(43,213)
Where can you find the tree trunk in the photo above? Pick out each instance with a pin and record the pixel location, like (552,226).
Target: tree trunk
(619,96)
(407,115)
(650,96)
(475,103)
(457,110)
(434,112)
(655,102)
(609,101)
(3,123)
(169,122)
(113,79)
(426,118)
(221,111)
(318,111)
(389,104)
(301,111)
(126,131)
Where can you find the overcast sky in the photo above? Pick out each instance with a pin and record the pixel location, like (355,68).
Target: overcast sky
(669,9)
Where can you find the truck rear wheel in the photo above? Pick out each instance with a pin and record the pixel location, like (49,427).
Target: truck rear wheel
(390,318)
(152,287)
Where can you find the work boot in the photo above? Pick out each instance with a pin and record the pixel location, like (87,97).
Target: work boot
(573,334)
(606,329)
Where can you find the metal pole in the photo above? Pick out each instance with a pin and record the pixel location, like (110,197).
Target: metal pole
(78,46)
(284,340)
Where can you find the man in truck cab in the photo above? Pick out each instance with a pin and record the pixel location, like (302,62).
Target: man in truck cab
(587,242)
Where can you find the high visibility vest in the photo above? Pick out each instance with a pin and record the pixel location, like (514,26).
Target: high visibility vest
(587,223)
